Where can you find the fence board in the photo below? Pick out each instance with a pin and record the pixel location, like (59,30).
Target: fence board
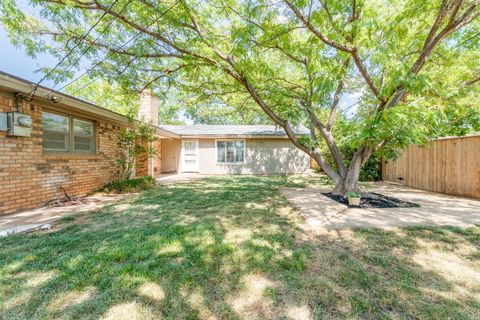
(450,165)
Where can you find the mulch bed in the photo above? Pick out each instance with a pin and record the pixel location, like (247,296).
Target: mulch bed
(373,200)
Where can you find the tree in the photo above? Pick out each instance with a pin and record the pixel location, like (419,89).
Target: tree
(109,94)
(105,93)
(207,108)
(293,60)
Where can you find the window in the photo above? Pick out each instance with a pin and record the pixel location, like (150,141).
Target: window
(55,132)
(67,134)
(230,151)
(83,136)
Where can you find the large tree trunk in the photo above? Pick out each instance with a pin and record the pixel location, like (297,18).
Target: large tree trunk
(350,182)
(345,186)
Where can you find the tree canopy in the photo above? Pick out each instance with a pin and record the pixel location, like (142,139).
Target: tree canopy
(409,66)
(120,99)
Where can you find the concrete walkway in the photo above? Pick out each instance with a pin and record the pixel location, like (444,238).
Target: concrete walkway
(176,178)
(33,219)
(320,212)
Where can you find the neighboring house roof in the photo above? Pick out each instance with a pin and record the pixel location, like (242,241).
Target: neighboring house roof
(232,130)
(15,84)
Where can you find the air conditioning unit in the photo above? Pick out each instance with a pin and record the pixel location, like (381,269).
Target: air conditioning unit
(19,124)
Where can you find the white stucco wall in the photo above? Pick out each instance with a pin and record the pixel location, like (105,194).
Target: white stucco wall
(263,156)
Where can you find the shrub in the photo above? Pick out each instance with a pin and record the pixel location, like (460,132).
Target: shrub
(369,172)
(133,141)
(130,185)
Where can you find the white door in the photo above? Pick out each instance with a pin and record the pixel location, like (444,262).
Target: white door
(190,155)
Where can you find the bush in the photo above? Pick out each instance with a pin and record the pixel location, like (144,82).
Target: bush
(369,172)
(130,185)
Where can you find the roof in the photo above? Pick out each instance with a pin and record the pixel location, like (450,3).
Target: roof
(232,130)
(16,84)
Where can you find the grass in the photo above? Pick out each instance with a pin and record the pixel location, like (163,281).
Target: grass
(232,248)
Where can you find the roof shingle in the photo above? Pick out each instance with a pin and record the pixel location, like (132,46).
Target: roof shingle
(231,130)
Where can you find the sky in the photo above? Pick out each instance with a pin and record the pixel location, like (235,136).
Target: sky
(16,62)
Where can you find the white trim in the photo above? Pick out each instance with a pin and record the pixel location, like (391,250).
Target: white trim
(182,155)
(152,162)
(231,163)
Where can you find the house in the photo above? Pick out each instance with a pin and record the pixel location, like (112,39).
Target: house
(232,149)
(53,144)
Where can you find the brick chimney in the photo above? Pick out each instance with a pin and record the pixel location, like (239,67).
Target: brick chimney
(148,110)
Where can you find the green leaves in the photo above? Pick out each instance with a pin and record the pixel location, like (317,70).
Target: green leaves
(225,61)
(134,140)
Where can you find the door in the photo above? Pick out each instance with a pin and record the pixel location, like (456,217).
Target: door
(190,156)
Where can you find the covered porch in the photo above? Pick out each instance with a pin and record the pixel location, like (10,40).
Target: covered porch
(167,148)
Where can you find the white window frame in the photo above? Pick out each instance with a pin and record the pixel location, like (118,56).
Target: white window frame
(71,145)
(235,155)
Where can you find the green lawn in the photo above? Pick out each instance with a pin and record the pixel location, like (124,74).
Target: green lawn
(230,248)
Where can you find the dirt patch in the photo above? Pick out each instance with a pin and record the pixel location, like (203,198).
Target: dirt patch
(66,202)
(373,200)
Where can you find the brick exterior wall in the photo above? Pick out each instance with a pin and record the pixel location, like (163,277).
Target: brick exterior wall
(142,163)
(29,178)
(148,110)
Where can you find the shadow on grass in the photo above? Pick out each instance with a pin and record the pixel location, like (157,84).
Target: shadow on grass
(222,248)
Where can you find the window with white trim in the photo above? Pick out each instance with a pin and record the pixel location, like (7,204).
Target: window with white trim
(230,151)
(83,137)
(62,133)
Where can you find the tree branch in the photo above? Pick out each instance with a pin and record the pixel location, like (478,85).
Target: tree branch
(330,141)
(433,40)
(333,110)
(317,32)
(348,49)
(472,82)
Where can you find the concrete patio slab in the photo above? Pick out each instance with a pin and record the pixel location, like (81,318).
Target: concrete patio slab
(435,209)
(317,210)
(33,219)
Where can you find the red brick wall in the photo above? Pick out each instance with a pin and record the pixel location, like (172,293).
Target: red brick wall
(29,178)
(142,163)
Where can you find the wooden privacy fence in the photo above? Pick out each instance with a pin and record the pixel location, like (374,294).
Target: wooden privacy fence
(448,165)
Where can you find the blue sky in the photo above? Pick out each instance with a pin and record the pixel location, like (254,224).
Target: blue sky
(15,61)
